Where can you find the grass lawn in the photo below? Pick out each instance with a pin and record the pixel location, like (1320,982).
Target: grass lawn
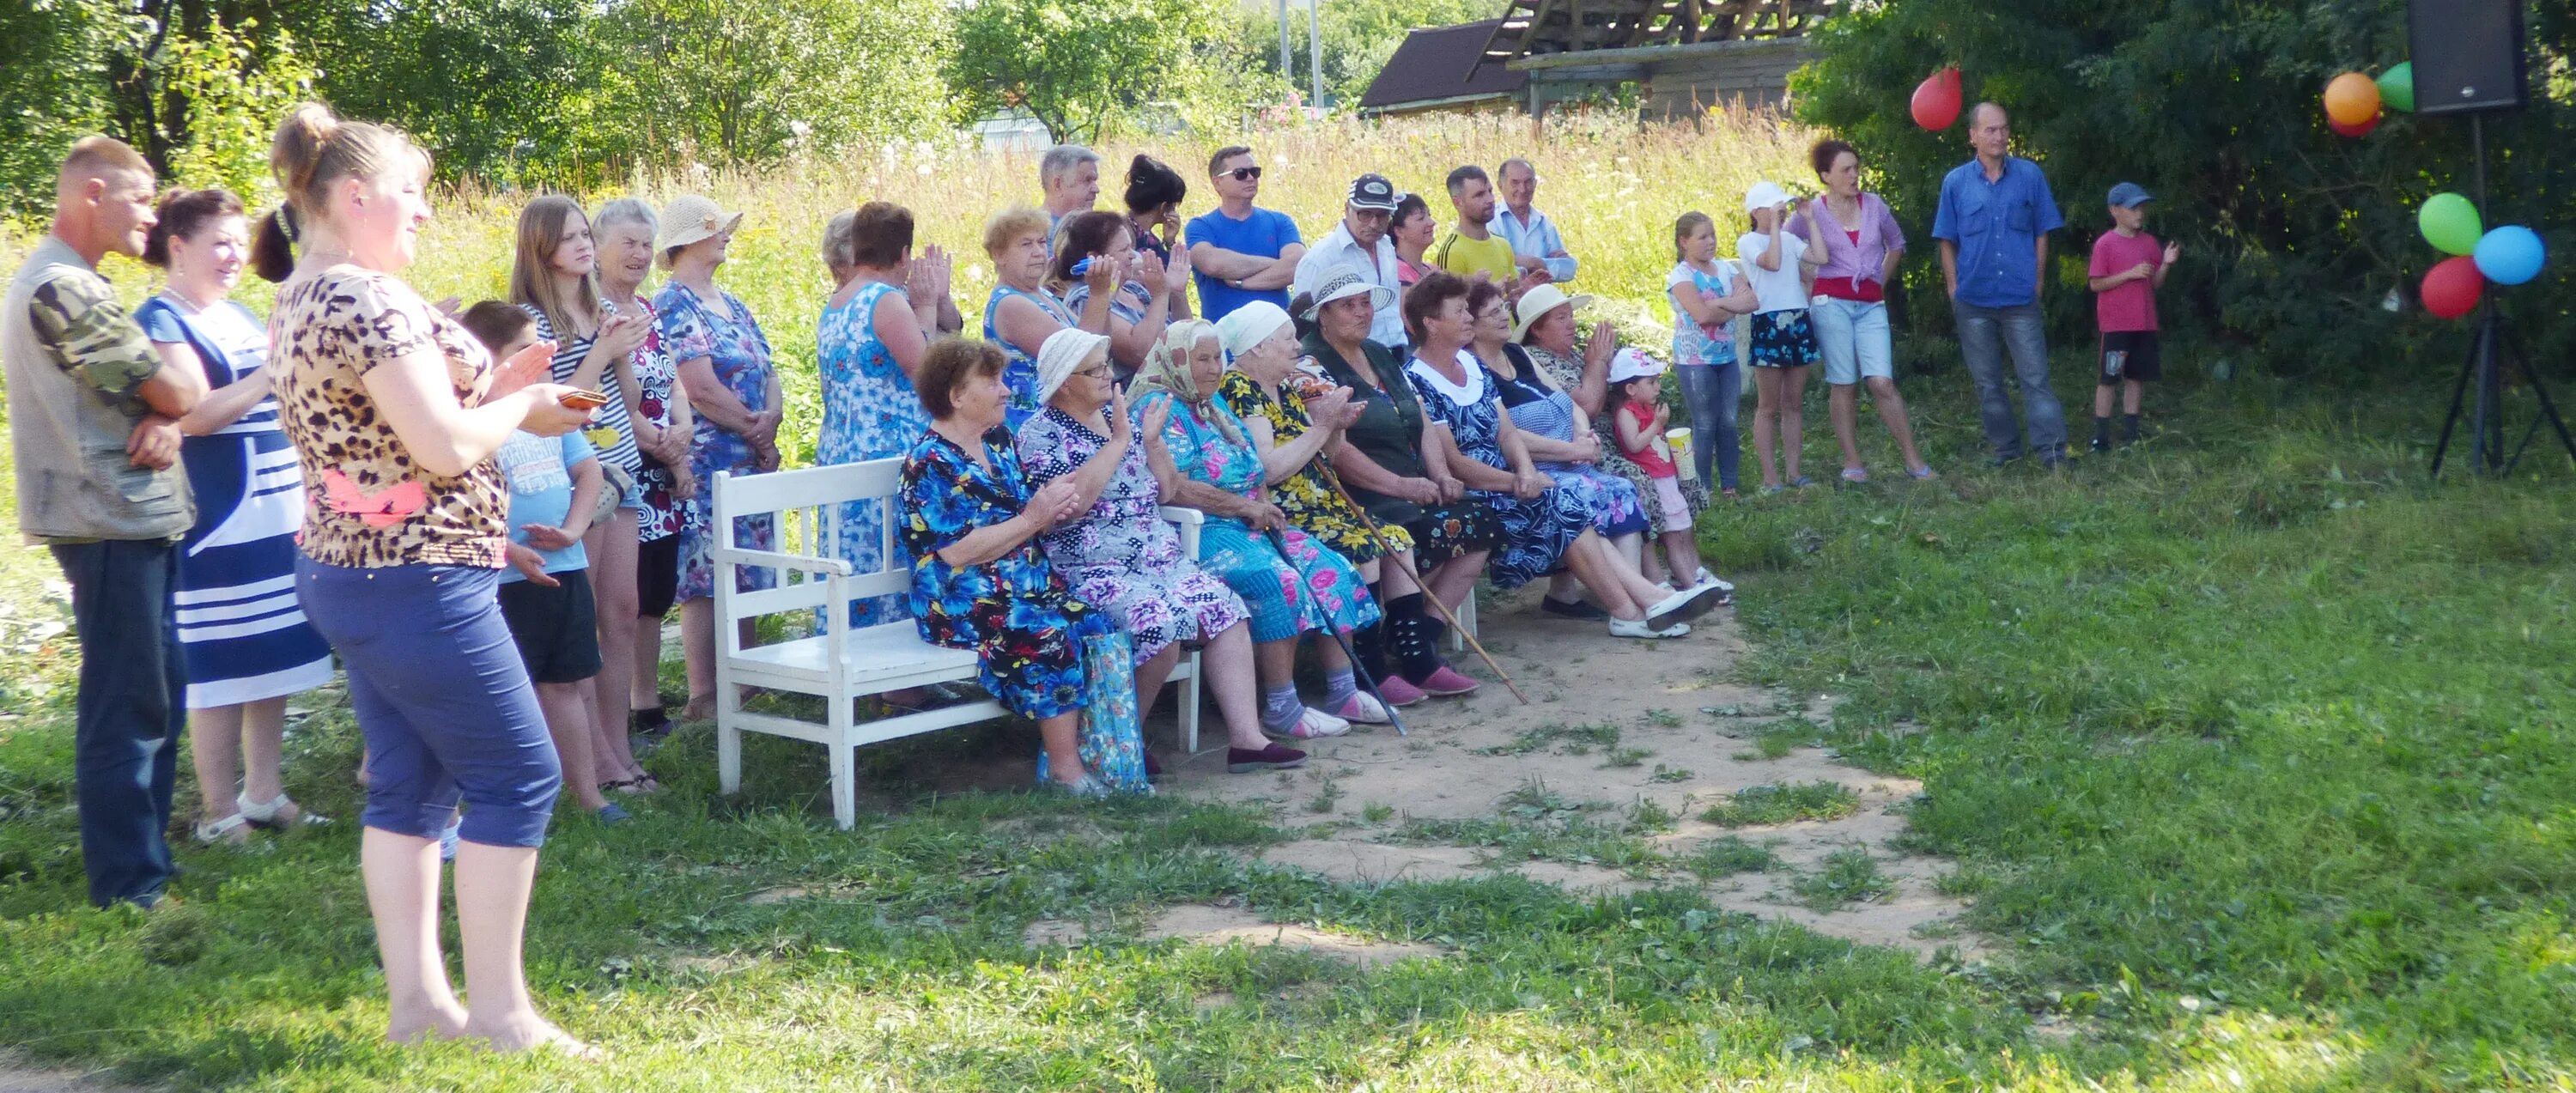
(2252,747)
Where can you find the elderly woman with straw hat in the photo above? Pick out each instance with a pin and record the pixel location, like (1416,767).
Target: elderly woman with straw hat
(1120,555)
(1205,459)
(724,367)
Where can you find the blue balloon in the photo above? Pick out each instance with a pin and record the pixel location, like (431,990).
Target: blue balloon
(2510,255)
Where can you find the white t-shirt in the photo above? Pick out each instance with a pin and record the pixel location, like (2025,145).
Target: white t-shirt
(1783,289)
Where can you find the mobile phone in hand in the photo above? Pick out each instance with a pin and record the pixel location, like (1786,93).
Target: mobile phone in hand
(583,400)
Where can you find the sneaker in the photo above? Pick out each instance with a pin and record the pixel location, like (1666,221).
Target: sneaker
(2100,445)
(1090,786)
(1313,724)
(1447,683)
(1571,609)
(1363,709)
(1637,628)
(1268,757)
(1707,579)
(1855,474)
(1682,606)
(1398,692)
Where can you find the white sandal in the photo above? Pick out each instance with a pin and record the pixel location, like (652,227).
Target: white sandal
(230,829)
(265,814)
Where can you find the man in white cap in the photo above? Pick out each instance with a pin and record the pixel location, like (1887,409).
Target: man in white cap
(1360,247)
(1537,246)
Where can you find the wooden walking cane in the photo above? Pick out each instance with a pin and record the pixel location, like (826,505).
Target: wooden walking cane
(1370,522)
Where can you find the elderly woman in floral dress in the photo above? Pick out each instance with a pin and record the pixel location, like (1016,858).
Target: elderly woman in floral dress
(1292,584)
(1122,557)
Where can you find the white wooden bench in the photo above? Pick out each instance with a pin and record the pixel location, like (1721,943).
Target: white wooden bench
(838,663)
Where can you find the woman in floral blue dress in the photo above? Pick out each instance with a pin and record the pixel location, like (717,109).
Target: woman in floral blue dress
(868,346)
(1020,314)
(1122,557)
(1206,460)
(1543,526)
(970,522)
(724,367)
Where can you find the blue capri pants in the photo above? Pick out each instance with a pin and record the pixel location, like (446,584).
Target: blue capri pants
(442,698)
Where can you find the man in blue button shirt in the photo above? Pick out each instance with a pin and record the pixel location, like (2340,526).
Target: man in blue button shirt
(1995,216)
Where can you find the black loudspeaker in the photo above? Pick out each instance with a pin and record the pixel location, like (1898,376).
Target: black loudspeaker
(2468,55)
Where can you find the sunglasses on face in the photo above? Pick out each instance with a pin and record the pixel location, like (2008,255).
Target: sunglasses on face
(1241,174)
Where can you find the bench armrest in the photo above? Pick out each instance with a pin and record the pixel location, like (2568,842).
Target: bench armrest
(805,562)
(1188,518)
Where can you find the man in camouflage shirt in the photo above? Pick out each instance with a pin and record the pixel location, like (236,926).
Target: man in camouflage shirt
(93,417)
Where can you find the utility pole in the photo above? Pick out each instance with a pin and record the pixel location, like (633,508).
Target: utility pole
(1315,53)
(1285,72)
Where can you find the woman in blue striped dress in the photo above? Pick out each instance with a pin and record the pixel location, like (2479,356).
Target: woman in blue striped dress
(244,636)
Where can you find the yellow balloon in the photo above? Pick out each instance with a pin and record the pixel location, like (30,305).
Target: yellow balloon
(2352,99)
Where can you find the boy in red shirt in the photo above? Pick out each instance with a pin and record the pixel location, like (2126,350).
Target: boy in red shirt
(2128,266)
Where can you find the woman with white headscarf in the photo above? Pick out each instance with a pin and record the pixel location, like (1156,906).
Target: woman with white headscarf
(1121,556)
(1205,459)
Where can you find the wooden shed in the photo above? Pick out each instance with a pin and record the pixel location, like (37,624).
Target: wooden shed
(1686,55)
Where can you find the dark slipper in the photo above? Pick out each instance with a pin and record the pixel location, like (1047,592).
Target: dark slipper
(1571,609)
(1270,757)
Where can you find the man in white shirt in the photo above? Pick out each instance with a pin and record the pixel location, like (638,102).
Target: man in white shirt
(1537,247)
(1359,244)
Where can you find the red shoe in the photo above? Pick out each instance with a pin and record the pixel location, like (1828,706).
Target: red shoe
(1397,692)
(1447,683)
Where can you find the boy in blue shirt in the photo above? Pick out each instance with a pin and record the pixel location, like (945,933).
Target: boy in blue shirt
(555,485)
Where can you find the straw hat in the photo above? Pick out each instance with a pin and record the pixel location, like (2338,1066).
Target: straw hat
(1344,285)
(690,218)
(1536,303)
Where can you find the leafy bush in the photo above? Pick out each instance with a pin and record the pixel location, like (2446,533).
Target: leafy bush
(2292,236)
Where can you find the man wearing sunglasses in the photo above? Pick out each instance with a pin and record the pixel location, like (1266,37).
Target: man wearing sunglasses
(1239,253)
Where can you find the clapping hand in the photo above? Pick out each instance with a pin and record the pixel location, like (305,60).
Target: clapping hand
(1155,417)
(1605,332)
(1121,428)
(534,364)
(1331,408)
(928,276)
(623,334)
(1176,273)
(1052,504)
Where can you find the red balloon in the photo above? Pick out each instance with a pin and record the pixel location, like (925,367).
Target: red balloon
(1936,100)
(2452,287)
(2361,130)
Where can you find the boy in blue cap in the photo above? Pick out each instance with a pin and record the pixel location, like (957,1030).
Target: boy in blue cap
(2128,266)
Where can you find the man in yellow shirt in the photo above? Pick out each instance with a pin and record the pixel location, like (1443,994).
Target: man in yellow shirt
(1472,247)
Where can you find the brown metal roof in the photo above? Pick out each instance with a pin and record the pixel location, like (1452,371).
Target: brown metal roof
(1436,63)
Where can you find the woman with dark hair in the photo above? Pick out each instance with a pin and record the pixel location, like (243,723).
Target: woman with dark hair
(1413,229)
(1154,195)
(1855,245)
(395,412)
(869,345)
(1543,526)
(245,639)
(1146,286)
(555,279)
(971,523)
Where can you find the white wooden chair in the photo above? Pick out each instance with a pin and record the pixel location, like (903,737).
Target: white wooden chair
(838,663)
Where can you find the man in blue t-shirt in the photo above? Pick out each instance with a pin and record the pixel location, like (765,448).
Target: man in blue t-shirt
(1239,253)
(1993,224)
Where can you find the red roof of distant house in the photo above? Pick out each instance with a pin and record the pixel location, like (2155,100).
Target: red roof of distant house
(1442,63)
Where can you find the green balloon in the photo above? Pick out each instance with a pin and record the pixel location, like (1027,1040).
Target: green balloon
(2450,223)
(2397,87)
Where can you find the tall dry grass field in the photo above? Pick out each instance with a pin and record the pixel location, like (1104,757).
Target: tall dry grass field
(1613,185)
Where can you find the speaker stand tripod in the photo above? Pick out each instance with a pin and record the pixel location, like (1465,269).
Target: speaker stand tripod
(2491,341)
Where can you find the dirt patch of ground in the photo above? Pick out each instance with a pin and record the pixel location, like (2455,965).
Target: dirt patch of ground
(18,1076)
(1622,746)
(1202,924)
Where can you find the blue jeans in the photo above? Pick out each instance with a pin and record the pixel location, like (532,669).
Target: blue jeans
(131,709)
(1985,334)
(442,697)
(1710,393)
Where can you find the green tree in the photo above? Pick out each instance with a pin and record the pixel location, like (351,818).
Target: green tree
(1079,65)
(53,90)
(2292,235)
(496,88)
(1358,36)
(735,81)
(232,107)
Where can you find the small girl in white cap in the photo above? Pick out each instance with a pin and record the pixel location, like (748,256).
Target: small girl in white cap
(1783,342)
(1638,412)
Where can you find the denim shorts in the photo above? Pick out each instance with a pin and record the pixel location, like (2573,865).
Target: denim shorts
(1854,340)
(442,698)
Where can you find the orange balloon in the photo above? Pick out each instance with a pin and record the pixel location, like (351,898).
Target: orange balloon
(2352,99)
